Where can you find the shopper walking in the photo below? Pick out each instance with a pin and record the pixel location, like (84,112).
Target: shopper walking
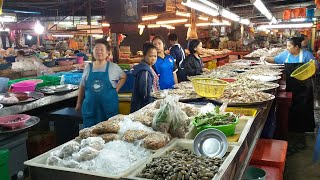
(165,66)
(99,87)
(177,52)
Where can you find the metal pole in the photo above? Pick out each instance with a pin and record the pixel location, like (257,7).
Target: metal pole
(89,23)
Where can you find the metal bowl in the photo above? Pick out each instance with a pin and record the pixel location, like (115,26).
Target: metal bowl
(210,142)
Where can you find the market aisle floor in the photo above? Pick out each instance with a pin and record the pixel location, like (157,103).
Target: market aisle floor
(299,166)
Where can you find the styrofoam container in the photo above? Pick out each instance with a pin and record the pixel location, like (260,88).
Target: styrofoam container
(188,144)
(40,171)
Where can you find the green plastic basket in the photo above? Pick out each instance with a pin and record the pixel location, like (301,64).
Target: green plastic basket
(228,130)
(47,81)
(124,66)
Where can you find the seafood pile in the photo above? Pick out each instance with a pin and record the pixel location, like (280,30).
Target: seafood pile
(265,52)
(183,94)
(253,85)
(180,163)
(141,126)
(93,154)
(244,96)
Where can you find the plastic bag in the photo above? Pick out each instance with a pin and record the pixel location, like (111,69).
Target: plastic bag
(127,124)
(162,120)
(96,143)
(179,123)
(170,118)
(53,161)
(68,149)
(85,154)
(156,140)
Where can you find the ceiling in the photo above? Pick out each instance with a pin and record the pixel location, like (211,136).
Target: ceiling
(99,7)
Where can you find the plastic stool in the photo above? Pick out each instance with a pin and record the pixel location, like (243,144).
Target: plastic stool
(284,101)
(66,124)
(270,152)
(272,172)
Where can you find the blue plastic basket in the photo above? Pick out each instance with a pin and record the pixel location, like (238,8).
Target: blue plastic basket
(10,59)
(128,86)
(72,78)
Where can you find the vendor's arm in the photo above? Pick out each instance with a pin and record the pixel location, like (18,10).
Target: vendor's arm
(145,85)
(80,98)
(121,82)
(269,59)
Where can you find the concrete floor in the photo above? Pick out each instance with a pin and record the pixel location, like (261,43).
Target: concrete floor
(299,166)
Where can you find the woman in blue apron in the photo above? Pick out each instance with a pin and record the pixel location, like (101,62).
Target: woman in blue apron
(165,65)
(301,114)
(99,87)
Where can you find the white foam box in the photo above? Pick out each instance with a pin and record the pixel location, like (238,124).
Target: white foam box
(188,144)
(40,171)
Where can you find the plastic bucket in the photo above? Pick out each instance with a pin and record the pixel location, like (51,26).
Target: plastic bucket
(24,86)
(253,173)
(80,60)
(4,84)
(10,59)
(4,169)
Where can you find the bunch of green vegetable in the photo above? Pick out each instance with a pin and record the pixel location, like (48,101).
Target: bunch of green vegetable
(214,118)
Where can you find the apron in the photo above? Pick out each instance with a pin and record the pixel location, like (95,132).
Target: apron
(301,115)
(101,98)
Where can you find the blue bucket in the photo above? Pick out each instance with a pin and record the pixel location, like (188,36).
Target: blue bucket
(10,59)
(4,84)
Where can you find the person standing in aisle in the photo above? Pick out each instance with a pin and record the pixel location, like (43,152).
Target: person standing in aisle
(165,66)
(99,87)
(193,64)
(146,79)
(301,114)
(177,52)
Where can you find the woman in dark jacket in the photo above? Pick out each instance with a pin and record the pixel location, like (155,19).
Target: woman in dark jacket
(193,64)
(146,79)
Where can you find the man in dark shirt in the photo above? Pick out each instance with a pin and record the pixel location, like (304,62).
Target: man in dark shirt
(177,52)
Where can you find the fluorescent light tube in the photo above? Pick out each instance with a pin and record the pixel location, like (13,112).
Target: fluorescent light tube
(202,8)
(149,17)
(172,21)
(286,26)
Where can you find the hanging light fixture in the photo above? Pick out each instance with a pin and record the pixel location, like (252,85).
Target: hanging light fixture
(38,28)
(200,6)
(184,14)
(285,26)
(263,9)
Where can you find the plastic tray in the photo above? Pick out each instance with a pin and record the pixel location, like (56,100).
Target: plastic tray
(228,130)
(47,81)
(188,144)
(242,111)
(41,171)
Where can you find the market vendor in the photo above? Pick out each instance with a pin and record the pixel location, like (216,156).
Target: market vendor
(193,64)
(301,115)
(146,79)
(99,87)
(165,65)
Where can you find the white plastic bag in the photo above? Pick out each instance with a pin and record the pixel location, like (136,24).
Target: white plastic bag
(96,143)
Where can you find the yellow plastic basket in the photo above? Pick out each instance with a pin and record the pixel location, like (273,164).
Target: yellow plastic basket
(209,88)
(305,71)
(242,111)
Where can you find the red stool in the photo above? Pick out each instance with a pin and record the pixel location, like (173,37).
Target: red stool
(270,152)
(272,172)
(221,62)
(284,101)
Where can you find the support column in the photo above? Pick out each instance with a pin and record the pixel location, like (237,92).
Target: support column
(89,23)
